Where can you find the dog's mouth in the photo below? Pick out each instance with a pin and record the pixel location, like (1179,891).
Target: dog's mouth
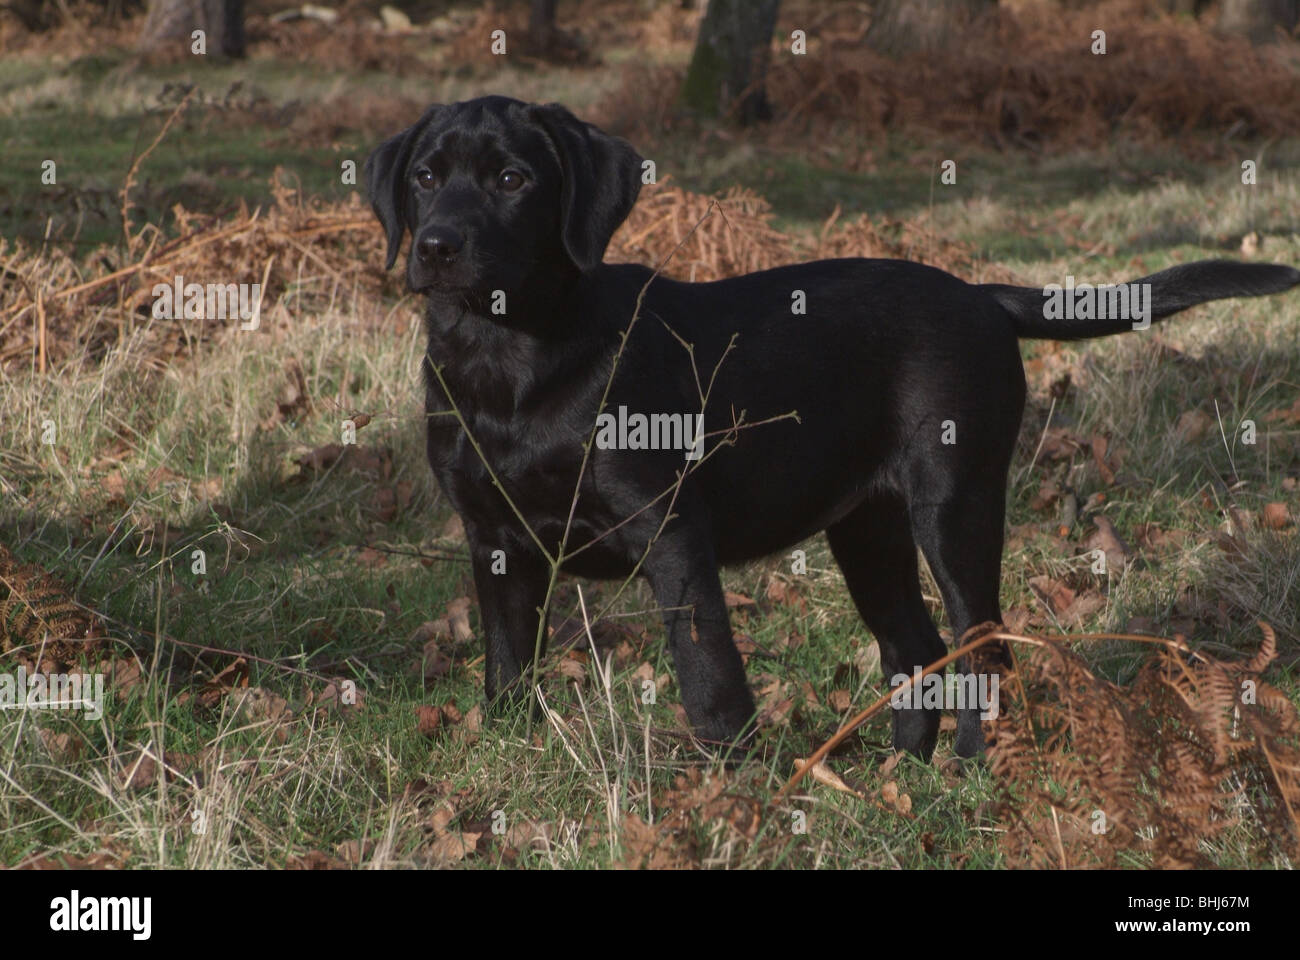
(449,293)
(435,285)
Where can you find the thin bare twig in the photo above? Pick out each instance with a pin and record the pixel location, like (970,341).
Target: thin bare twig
(138,161)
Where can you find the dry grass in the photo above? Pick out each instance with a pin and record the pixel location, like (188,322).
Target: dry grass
(58,309)
(724,236)
(191,433)
(1096,774)
(1160,77)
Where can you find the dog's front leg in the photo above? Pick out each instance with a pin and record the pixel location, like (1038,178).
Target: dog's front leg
(511,591)
(684,577)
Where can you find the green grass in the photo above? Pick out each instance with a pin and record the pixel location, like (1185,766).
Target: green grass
(286,580)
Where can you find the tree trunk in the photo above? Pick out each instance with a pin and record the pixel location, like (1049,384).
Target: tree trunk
(1187,8)
(40,15)
(927,26)
(1260,20)
(171,23)
(730,61)
(35,15)
(541,22)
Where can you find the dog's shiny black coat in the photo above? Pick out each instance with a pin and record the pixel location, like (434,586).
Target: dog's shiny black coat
(890,359)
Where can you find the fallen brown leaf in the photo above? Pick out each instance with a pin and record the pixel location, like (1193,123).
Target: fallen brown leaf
(383,504)
(1060,444)
(893,797)
(1099,446)
(781,592)
(255,703)
(61,746)
(441,818)
(1275,516)
(1070,608)
(867,658)
(1107,539)
(1047,495)
(353,852)
(321,458)
(233,676)
(1057,595)
(428,720)
(458,619)
(473,721)
(453,848)
(655,846)
(1193,425)
(828,777)
(316,860)
(1144,625)
(331,698)
(436,663)
(529,834)
(1151,537)
(114,485)
(438,629)
(293,401)
(454,529)
(1288,415)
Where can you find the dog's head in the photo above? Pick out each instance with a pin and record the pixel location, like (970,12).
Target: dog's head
(496,192)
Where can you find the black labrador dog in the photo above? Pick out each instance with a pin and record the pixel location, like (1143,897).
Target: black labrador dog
(907,383)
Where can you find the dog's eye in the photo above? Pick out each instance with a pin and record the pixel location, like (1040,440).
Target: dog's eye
(510,180)
(424,178)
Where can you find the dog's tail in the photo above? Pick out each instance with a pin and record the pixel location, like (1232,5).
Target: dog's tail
(1054,313)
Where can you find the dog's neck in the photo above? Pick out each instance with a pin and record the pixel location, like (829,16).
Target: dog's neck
(493,363)
(531,308)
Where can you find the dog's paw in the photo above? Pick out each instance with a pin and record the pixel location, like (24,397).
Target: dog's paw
(512,702)
(916,731)
(728,733)
(971,739)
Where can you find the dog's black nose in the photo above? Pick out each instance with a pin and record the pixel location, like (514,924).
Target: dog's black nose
(440,245)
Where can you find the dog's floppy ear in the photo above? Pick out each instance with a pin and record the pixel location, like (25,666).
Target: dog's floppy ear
(385,173)
(386,183)
(602,177)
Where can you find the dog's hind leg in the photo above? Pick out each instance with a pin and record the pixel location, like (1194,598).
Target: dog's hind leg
(874,548)
(961,537)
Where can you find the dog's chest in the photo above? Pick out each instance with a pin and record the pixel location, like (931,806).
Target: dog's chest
(477,455)
(537,464)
